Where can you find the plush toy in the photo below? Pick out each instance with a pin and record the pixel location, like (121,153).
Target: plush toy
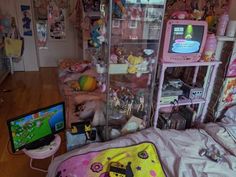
(119,8)
(132,69)
(92,109)
(97,33)
(74,85)
(66,63)
(78,67)
(87,83)
(133,60)
(134,63)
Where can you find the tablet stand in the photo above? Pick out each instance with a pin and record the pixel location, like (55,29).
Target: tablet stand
(43,152)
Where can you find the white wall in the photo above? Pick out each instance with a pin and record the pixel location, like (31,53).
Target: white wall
(58,49)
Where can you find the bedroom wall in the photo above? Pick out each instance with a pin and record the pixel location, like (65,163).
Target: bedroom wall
(29,59)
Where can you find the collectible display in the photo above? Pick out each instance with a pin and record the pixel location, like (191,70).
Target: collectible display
(133,54)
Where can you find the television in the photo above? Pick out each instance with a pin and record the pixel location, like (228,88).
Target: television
(184,40)
(36,128)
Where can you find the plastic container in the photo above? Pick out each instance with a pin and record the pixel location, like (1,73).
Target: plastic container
(222,24)
(210,47)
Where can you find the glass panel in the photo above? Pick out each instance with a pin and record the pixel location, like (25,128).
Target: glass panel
(134,43)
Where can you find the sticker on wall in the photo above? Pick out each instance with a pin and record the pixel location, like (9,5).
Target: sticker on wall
(56,21)
(41,28)
(26,20)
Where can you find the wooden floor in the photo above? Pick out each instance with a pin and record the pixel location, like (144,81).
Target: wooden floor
(28,91)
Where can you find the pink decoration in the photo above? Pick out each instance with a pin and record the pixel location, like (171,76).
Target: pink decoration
(85,162)
(232,69)
(153,173)
(223,21)
(210,47)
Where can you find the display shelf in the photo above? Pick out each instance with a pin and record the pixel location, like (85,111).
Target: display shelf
(184,102)
(226,38)
(92,14)
(129,95)
(207,87)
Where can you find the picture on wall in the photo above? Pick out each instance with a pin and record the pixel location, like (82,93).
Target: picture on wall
(56,21)
(40,7)
(26,20)
(228,95)
(41,27)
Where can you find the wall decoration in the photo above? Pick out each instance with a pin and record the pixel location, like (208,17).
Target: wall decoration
(228,95)
(41,27)
(40,7)
(56,21)
(26,20)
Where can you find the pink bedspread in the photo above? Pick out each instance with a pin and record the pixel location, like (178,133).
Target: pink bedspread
(178,152)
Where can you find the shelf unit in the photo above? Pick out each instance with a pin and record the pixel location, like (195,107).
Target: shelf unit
(221,105)
(207,87)
(83,34)
(132,36)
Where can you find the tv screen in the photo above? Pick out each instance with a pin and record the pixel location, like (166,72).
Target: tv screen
(186,39)
(30,128)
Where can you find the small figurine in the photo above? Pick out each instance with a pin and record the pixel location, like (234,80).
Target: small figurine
(141,103)
(118,8)
(129,107)
(116,100)
(114,58)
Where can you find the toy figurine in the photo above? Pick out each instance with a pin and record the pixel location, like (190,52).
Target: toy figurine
(116,101)
(142,68)
(114,58)
(141,103)
(119,8)
(97,34)
(129,107)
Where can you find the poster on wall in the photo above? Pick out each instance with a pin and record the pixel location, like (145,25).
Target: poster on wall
(228,95)
(40,7)
(41,28)
(56,21)
(26,20)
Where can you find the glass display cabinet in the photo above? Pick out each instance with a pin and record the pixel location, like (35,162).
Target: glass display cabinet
(133,38)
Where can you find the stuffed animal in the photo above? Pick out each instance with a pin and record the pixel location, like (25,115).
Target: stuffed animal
(94,109)
(118,8)
(74,85)
(133,60)
(87,83)
(134,63)
(97,33)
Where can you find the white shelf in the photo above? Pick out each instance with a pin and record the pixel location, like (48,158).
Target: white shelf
(226,38)
(185,102)
(189,64)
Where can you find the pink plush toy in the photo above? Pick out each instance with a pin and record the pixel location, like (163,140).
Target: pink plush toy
(93,109)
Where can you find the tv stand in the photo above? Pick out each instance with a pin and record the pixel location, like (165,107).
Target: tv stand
(40,143)
(43,152)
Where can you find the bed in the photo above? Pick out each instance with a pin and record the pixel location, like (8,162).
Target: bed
(178,151)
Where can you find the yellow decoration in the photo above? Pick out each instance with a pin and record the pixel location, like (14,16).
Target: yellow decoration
(133,60)
(138,161)
(132,69)
(87,128)
(74,129)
